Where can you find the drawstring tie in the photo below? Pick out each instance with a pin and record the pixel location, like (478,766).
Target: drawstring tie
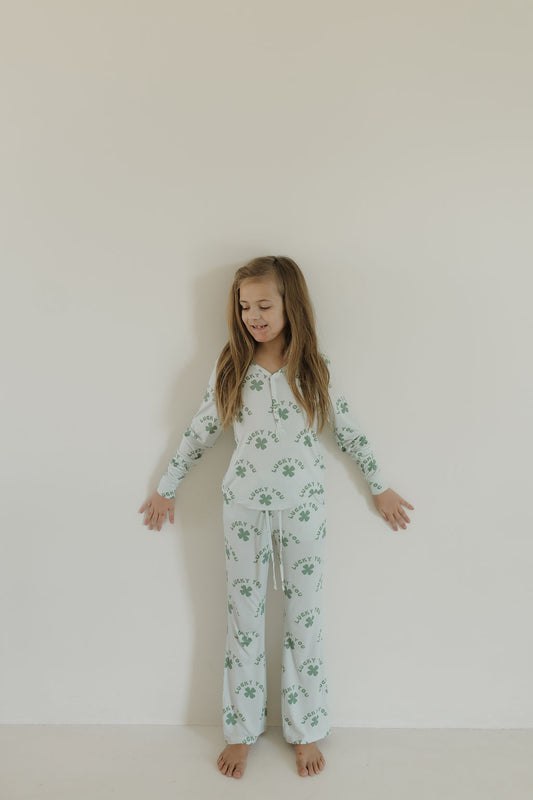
(266,519)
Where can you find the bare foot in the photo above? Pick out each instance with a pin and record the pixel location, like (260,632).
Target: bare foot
(309,759)
(232,760)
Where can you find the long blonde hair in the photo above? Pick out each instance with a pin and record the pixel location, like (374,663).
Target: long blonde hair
(307,372)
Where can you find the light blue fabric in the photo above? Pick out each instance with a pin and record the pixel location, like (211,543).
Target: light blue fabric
(278,460)
(299,540)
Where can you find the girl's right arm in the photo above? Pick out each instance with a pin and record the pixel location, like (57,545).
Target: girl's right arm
(201,434)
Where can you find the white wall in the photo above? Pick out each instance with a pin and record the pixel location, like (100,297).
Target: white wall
(150,149)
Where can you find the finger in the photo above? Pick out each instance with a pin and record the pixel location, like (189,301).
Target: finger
(161,519)
(171,516)
(404,515)
(142,507)
(400,520)
(406,503)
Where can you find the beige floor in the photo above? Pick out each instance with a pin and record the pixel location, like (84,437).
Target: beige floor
(159,762)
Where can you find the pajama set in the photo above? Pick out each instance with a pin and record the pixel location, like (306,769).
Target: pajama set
(274,510)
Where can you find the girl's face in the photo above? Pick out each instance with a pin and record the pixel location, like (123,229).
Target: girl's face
(262,307)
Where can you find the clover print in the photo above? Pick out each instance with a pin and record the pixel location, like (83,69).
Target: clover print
(244,534)
(363,440)
(231,719)
(288,472)
(309,621)
(307,569)
(289,644)
(249,692)
(304,516)
(283,413)
(241,471)
(344,407)
(265,499)
(246,591)
(288,592)
(284,541)
(307,441)
(257,385)
(293,697)
(245,640)
(211,427)
(312,670)
(228,662)
(266,556)
(260,443)
(314,721)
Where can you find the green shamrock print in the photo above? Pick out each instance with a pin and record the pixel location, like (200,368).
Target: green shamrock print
(246,640)
(293,697)
(249,692)
(246,591)
(309,621)
(260,443)
(265,499)
(283,413)
(307,569)
(244,534)
(304,516)
(284,541)
(241,471)
(257,385)
(289,644)
(307,441)
(344,407)
(363,440)
(312,670)
(266,556)
(211,427)
(231,719)
(288,471)
(288,592)
(314,721)
(228,662)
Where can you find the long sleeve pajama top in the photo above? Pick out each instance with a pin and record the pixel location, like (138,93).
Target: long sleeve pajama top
(278,462)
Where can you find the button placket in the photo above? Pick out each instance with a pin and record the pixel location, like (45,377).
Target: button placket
(275,404)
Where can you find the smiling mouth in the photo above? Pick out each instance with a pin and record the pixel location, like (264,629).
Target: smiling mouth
(258,327)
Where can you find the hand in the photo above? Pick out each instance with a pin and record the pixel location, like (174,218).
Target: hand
(389,504)
(156,510)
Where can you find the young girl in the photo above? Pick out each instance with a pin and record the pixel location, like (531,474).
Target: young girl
(274,386)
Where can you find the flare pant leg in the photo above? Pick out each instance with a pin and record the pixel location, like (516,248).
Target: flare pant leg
(250,539)
(304,686)
(248,550)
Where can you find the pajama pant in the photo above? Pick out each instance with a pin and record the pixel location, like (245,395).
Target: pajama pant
(294,541)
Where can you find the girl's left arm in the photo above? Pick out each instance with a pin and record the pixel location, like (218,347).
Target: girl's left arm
(350,439)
